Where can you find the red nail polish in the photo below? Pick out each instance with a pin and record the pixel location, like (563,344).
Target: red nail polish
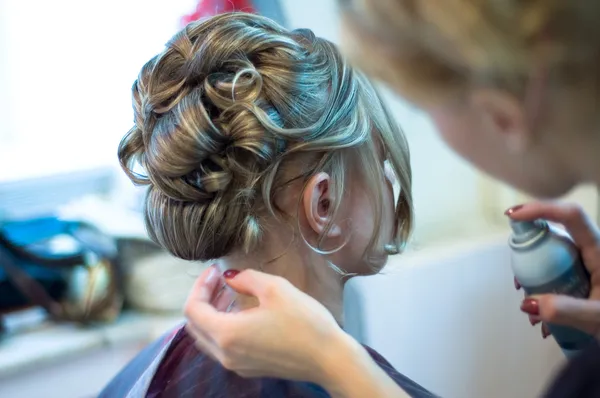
(534,321)
(513,209)
(530,306)
(230,273)
(517,284)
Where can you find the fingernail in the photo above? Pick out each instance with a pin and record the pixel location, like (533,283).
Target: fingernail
(534,321)
(230,273)
(512,210)
(545,331)
(517,284)
(530,306)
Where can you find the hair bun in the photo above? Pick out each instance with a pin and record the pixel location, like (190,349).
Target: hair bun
(220,112)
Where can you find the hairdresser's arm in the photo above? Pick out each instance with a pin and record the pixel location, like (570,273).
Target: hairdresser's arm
(289,335)
(351,372)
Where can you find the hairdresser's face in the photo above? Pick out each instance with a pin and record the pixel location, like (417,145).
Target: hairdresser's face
(493,135)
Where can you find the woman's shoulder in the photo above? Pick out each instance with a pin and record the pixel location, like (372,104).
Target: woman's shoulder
(182,370)
(172,366)
(411,387)
(134,372)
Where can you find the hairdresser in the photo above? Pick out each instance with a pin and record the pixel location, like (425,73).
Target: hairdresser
(513,87)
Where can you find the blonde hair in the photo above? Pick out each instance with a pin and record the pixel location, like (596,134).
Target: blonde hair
(430,48)
(223,111)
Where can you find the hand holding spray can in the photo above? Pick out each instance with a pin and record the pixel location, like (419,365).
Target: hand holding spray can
(545,260)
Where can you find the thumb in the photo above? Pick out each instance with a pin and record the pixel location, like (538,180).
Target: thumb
(582,314)
(257,284)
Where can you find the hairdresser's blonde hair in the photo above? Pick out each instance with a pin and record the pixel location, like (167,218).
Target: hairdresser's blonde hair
(433,48)
(226,108)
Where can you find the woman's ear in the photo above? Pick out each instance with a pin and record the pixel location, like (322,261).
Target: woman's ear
(502,115)
(317,204)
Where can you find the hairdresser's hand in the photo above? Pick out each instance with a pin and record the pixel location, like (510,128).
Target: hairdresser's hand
(282,337)
(289,335)
(579,313)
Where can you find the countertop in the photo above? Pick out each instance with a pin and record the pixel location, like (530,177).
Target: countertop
(55,343)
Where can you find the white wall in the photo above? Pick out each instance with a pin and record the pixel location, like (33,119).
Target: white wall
(69,66)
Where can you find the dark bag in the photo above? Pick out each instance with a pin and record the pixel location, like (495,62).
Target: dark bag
(68,268)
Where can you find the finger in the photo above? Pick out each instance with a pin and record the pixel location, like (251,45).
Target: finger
(224,298)
(545,331)
(256,283)
(534,320)
(564,310)
(205,285)
(199,309)
(572,217)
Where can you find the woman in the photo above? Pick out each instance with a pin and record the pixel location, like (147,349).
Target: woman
(263,149)
(512,87)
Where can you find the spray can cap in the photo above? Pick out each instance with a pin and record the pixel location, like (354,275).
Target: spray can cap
(525,231)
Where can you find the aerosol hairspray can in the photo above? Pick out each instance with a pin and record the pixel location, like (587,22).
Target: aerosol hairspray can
(545,260)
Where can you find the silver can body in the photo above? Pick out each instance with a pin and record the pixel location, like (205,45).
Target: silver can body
(545,260)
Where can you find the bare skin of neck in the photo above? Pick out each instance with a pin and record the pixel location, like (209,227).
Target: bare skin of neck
(288,256)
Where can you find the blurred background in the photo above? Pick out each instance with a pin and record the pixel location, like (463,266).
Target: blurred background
(66,70)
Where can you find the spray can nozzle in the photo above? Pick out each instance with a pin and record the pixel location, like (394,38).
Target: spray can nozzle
(525,231)
(523,227)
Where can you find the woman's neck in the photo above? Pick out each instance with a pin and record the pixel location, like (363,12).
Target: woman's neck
(297,263)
